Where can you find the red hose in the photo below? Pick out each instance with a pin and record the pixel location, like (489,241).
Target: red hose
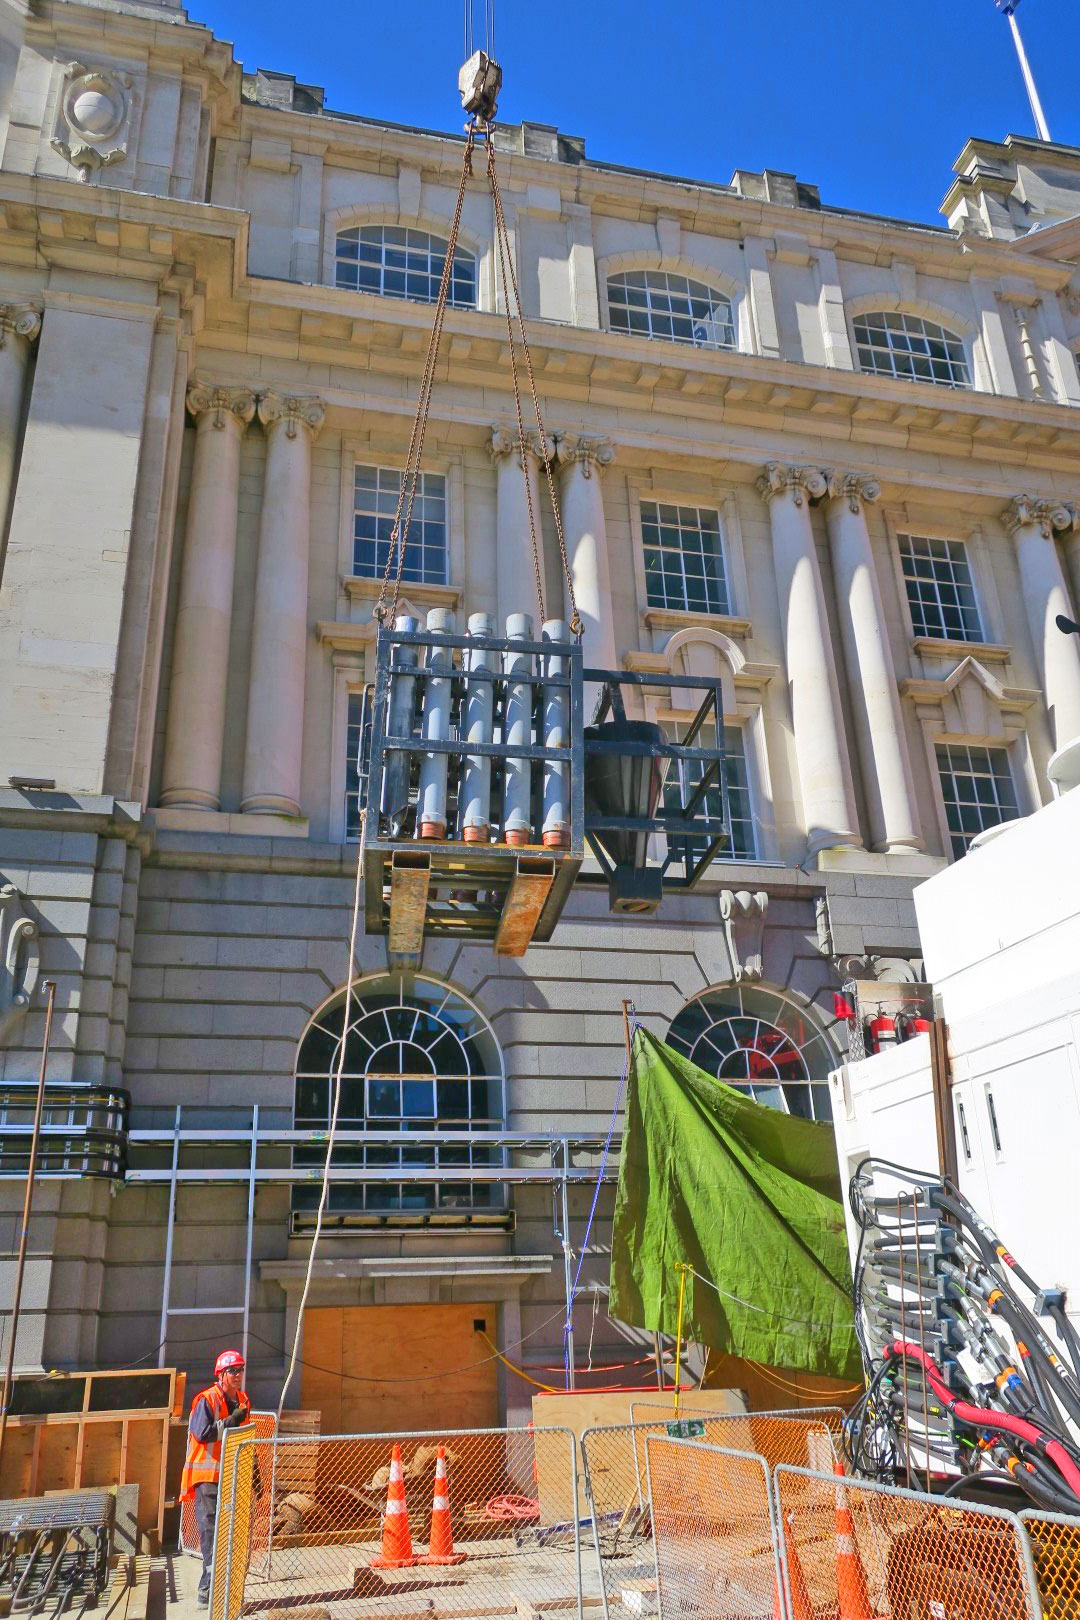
(982,1417)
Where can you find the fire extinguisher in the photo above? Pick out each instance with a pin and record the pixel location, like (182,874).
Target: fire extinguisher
(882,1032)
(911,1024)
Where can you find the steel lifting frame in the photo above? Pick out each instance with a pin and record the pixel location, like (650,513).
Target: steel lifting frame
(559,1174)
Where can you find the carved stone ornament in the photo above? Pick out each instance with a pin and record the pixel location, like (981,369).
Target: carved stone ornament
(589,453)
(853,488)
(19,320)
(224,403)
(1025,511)
(18,959)
(744,927)
(294,411)
(796,481)
(504,442)
(93,117)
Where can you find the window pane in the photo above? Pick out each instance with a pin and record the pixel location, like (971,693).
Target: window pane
(940,591)
(899,345)
(684,558)
(661,304)
(978,791)
(403,263)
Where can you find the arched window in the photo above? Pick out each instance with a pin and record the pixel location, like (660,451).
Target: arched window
(898,345)
(761,1043)
(420,1061)
(658,303)
(400,262)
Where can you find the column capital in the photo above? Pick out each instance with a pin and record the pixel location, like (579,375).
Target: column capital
(1027,511)
(588,452)
(504,442)
(799,482)
(851,487)
(223,402)
(24,320)
(294,410)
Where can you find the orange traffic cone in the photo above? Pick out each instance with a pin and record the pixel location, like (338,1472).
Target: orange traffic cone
(801,1606)
(441,1540)
(397,1550)
(851,1588)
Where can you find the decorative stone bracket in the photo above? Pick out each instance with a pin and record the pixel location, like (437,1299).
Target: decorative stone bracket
(744,926)
(19,961)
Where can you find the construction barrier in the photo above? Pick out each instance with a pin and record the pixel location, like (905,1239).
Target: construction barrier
(262,1425)
(372,1522)
(1055,1551)
(854,1550)
(617,1497)
(714,1532)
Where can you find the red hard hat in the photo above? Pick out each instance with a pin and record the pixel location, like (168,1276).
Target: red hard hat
(226,1361)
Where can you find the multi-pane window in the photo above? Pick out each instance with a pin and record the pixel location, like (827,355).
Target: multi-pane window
(374,505)
(761,1044)
(940,593)
(419,1060)
(400,262)
(684,775)
(656,303)
(898,345)
(352,776)
(684,558)
(978,788)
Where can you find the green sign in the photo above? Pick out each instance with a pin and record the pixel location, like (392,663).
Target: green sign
(686,1429)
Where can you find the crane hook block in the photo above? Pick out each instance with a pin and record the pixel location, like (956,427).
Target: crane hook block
(479,82)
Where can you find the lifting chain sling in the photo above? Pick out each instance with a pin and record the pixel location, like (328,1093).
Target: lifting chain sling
(385,613)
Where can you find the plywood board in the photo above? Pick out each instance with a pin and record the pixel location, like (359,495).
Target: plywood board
(586,1409)
(399,1368)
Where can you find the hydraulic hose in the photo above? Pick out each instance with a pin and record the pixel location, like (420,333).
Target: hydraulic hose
(979,1417)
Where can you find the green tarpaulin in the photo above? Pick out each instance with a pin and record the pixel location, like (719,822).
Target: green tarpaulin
(747,1196)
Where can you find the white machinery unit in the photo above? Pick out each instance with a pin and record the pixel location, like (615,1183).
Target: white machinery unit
(1000,932)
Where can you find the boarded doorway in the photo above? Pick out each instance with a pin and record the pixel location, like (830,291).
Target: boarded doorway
(356,1355)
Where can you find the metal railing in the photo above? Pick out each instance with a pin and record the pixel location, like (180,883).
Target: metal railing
(83,1131)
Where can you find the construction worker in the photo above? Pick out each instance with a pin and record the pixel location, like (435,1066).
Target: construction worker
(223,1406)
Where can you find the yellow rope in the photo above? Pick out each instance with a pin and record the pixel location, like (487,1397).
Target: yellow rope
(801,1389)
(682,1270)
(549,1389)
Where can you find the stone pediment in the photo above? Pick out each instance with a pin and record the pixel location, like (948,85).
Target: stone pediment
(970,700)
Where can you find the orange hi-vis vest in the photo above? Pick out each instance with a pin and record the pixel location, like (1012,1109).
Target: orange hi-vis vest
(202,1464)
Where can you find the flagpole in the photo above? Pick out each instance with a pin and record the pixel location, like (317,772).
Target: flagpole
(1041,126)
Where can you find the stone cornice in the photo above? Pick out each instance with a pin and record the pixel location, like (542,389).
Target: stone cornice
(1025,511)
(851,487)
(225,403)
(798,482)
(294,411)
(19,320)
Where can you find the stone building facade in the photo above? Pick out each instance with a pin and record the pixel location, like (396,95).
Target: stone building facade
(828,457)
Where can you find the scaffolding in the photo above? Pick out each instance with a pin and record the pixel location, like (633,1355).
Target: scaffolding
(251,1145)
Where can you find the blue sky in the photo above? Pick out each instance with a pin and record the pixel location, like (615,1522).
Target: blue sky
(871,100)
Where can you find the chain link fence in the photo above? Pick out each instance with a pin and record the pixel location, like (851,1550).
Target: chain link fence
(848,1545)
(262,1426)
(1055,1551)
(714,1532)
(358,1525)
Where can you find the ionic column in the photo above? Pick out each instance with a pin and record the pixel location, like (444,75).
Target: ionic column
(514,484)
(1032,524)
(195,734)
(824,774)
(19,326)
(275,721)
(879,720)
(582,461)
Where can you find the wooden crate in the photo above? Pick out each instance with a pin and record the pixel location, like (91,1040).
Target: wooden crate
(73,1431)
